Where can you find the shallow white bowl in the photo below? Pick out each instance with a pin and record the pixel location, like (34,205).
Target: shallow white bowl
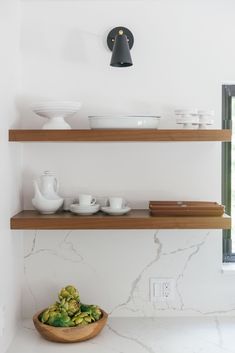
(124,122)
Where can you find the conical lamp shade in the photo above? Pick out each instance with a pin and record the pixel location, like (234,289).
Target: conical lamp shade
(121,56)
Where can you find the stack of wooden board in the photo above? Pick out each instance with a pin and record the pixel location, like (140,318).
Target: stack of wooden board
(185,208)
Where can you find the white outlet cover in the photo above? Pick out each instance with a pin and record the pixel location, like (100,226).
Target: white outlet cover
(162,289)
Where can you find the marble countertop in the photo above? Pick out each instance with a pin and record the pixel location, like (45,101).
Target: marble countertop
(141,335)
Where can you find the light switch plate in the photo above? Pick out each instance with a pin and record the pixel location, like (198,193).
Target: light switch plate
(162,289)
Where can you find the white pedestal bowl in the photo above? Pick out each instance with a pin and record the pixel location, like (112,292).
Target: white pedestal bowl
(56,113)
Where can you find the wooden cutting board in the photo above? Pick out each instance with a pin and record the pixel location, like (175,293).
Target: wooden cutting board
(185,208)
(180,203)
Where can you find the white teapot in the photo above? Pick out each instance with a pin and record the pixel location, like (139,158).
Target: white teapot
(49,185)
(46,199)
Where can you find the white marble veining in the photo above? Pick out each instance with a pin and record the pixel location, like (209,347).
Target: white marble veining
(113,268)
(141,335)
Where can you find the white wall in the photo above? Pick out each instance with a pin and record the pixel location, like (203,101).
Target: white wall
(183,53)
(11,264)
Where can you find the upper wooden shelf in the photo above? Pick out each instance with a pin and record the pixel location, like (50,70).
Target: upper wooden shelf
(136,219)
(119,135)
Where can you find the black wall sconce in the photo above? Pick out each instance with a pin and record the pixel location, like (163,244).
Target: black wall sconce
(120,41)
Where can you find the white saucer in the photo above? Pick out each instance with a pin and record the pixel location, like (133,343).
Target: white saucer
(84,210)
(115,211)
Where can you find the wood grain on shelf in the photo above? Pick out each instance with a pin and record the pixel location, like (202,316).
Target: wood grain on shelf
(118,135)
(136,219)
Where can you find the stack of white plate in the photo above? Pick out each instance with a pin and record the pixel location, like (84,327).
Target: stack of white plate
(56,112)
(124,122)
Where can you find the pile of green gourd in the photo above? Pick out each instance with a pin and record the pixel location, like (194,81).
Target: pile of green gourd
(69,311)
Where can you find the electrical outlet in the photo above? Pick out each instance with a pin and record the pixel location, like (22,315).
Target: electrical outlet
(2,320)
(162,289)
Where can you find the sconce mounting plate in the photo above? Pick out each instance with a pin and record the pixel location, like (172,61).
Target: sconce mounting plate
(112,34)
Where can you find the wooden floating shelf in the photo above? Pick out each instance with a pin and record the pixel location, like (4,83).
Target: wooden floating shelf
(136,219)
(118,135)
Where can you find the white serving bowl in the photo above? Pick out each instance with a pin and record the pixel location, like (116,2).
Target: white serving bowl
(124,122)
(56,112)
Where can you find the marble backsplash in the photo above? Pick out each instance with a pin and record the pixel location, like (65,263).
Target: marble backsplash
(113,268)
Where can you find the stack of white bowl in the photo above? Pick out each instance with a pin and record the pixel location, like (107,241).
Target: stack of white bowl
(205,118)
(56,112)
(191,119)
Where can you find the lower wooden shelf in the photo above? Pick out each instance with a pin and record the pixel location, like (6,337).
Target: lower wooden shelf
(136,219)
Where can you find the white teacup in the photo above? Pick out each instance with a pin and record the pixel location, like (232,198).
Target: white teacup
(116,202)
(86,200)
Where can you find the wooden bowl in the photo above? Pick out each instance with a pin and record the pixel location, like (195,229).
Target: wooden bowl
(69,334)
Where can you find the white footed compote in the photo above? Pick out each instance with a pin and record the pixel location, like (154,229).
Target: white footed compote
(56,112)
